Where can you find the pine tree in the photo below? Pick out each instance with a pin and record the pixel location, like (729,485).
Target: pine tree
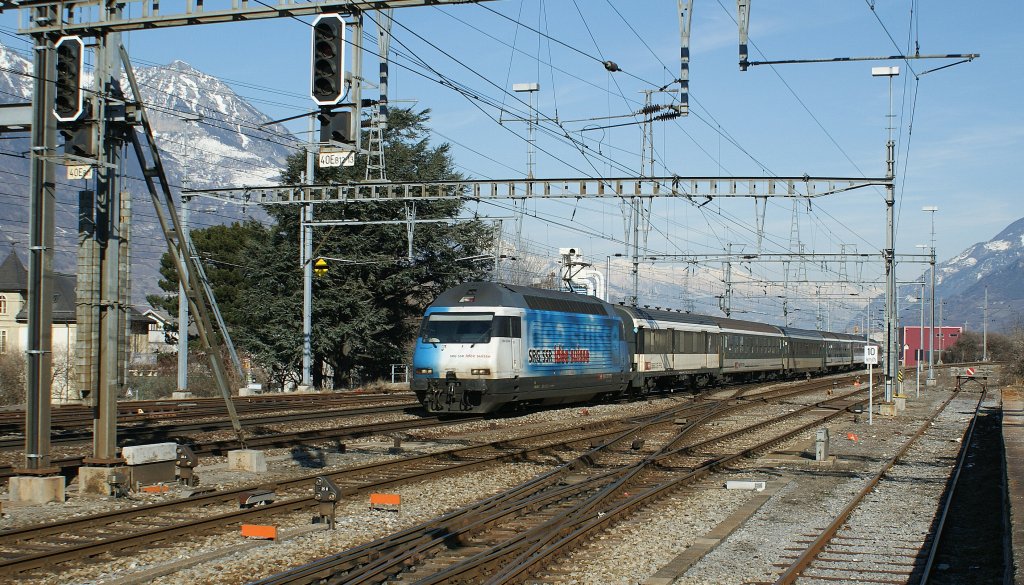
(367,308)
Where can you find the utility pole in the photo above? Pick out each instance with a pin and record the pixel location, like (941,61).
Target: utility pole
(112,313)
(532,121)
(942,330)
(376,169)
(931,327)
(921,350)
(306,262)
(182,298)
(641,211)
(984,330)
(726,305)
(183,305)
(40,269)
(889,253)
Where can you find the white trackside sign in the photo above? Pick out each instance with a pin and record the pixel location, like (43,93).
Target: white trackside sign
(871,354)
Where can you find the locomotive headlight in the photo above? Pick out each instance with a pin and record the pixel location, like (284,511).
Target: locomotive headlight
(424,370)
(480,371)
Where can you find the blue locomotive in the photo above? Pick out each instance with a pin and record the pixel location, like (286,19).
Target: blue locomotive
(484,345)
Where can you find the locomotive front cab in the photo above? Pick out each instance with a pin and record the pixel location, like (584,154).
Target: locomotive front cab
(460,355)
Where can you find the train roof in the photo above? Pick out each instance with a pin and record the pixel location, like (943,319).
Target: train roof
(737,325)
(668,316)
(802,333)
(495,294)
(848,337)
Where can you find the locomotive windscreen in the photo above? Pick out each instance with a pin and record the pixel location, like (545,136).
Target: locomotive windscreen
(457,328)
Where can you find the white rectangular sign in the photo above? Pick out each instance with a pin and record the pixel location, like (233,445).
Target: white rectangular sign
(338,158)
(871,354)
(79,172)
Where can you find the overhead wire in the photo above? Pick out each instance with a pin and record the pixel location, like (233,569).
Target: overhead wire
(550,40)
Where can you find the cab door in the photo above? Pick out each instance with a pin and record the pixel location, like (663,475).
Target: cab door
(508,331)
(516,345)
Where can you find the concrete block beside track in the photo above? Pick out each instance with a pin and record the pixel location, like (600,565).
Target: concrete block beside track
(154,453)
(36,490)
(95,480)
(247,460)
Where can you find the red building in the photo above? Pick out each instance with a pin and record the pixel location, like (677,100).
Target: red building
(916,339)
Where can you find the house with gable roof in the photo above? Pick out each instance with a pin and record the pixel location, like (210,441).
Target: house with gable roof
(146,336)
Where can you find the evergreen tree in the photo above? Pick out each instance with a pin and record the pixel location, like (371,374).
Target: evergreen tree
(367,308)
(224,251)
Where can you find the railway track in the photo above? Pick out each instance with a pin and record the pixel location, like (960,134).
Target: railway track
(870,540)
(518,534)
(69,465)
(50,544)
(205,418)
(165,432)
(66,420)
(45,545)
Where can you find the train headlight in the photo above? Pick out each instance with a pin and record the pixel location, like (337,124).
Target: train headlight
(480,371)
(424,370)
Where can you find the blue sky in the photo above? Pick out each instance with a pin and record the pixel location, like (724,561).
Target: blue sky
(818,119)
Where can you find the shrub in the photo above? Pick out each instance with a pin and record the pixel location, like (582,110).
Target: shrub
(12,378)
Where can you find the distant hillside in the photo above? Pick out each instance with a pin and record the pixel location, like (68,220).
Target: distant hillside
(997,265)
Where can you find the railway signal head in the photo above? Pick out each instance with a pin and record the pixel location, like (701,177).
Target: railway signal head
(67,106)
(328,59)
(336,127)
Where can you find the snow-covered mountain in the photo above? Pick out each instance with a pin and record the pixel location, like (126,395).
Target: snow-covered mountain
(997,265)
(208,135)
(228,146)
(15,80)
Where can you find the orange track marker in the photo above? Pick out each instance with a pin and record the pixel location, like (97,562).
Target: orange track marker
(385,502)
(259,531)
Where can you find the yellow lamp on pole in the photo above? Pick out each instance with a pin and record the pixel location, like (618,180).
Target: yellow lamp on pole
(320,267)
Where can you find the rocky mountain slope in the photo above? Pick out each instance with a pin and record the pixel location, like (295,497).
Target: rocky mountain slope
(996,265)
(209,136)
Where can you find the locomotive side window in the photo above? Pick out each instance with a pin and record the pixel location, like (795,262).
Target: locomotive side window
(508,327)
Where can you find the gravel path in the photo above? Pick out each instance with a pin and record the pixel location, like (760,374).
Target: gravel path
(816,496)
